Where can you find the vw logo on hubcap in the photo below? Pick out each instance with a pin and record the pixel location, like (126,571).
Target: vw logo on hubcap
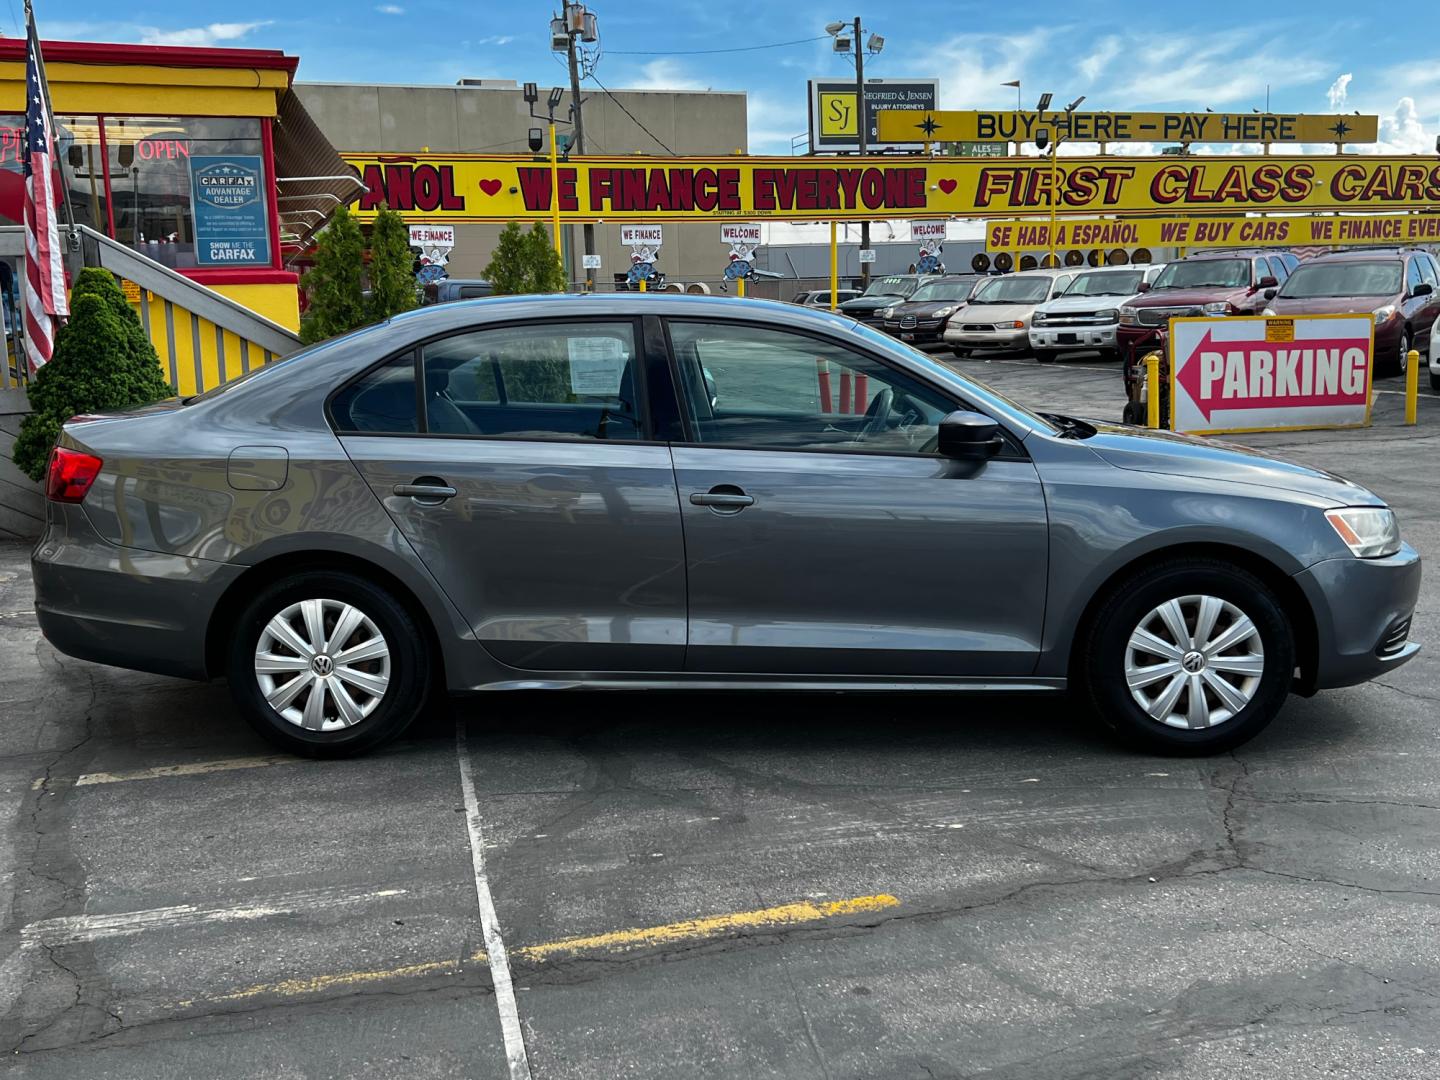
(1193,662)
(322,665)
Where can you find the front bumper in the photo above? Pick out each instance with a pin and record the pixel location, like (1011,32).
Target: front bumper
(126,607)
(1072,337)
(1362,609)
(960,337)
(921,330)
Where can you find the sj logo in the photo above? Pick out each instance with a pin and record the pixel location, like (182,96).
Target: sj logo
(838,114)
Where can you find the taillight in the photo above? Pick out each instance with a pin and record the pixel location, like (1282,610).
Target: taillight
(70,475)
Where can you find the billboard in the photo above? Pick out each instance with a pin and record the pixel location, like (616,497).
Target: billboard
(1235,374)
(1012,125)
(835,120)
(1340,230)
(454,187)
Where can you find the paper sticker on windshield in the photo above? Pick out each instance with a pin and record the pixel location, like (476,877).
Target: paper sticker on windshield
(597,364)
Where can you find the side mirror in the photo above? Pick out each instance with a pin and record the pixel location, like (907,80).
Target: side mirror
(969,435)
(1267,282)
(1423,289)
(1270,293)
(1144,286)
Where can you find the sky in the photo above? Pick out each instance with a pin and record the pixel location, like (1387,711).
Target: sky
(1317,57)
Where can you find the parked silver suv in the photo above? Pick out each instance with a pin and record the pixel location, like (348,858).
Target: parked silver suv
(1086,314)
(674,491)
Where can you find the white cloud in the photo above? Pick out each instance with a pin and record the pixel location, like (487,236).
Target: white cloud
(664,74)
(496,39)
(1105,51)
(772,124)
(199,35)
(390,9)
(971,68)
(1338,90)
(1403,132)
(1237,67)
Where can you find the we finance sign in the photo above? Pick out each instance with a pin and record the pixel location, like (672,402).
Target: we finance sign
(510,188)
(1270,374)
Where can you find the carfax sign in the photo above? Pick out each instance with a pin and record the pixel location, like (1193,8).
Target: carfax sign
(1270,374)
(232,226)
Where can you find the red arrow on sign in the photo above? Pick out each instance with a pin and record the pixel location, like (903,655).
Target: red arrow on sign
(1290,383)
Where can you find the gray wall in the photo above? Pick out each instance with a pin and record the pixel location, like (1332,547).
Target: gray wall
(463,119)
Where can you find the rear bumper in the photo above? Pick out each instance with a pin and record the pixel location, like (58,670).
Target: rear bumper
(1360,607)
(125,607)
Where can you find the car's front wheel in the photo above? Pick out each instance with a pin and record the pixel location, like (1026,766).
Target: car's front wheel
(327,664)
(1192,656)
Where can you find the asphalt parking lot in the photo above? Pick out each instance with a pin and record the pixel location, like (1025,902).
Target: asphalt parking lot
(753,886)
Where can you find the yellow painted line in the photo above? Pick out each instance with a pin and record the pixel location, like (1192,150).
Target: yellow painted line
(619,941)
(160,772)
(712,926)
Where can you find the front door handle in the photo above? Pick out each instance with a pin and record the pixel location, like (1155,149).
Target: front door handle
(723,499)
(427,490)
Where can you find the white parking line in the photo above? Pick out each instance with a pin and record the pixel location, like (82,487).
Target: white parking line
(69,929)
(490,922)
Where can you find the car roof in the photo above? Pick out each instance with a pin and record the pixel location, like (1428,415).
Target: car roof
(1365,255)
(1046,271)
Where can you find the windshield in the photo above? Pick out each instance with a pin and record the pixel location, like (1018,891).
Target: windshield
(1012,290)
(1108,283)
(944,290)
(1343,279)
(981,395)
(1203,273)
(894,285)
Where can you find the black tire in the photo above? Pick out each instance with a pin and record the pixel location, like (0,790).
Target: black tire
(1134,413)
(1398,361)
(1044,356)
(1100,666)
(961,354)
(1435,382)
(409,676)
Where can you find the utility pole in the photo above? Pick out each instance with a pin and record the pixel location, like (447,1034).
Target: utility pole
(575,25)
(862,126)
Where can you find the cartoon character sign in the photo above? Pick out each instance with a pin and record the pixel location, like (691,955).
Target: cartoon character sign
(644,243)
(929,262)
(743,240)
(930,235)
(435,243)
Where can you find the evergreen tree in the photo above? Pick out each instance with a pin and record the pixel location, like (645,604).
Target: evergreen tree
(99,365)
(392,267)
(525,263)
(337,300)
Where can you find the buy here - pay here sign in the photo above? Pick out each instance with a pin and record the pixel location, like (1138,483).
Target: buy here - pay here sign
(1270,374)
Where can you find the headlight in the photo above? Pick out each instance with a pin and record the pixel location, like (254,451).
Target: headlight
(944,312)
(887,313)
(1216,307)
(1129,316)
(1038,318)
(1269,313)
(1370,532)
(1383,313)
(1108,314)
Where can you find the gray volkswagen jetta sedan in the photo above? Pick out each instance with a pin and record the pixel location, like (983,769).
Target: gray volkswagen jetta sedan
(656,491)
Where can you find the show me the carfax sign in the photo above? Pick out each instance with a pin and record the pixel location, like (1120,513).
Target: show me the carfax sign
(444,187)
(1239,374)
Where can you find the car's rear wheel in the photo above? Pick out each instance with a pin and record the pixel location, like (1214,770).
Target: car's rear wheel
(1192,656)
(327,664)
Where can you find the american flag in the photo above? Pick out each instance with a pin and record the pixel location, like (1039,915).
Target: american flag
(45,302)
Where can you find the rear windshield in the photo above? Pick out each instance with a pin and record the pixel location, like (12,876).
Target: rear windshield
(1203,273)
(1013,290)
(959,289)
(1108,283)
(1343,279)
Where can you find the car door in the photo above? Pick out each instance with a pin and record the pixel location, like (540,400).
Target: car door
(530,486)
(824,536)
(1425,320)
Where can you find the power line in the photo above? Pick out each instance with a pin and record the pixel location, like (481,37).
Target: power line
(628,113)
(710,52)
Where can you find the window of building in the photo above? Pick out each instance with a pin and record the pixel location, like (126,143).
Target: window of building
(82,169)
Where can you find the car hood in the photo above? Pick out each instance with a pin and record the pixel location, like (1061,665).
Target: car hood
(1330,305)
(925,308)
(1142,450)
(1084,303)
(871,302)
(1183,297)
(996,313)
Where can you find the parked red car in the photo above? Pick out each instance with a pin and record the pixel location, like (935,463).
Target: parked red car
(1400,287)
(1213,283)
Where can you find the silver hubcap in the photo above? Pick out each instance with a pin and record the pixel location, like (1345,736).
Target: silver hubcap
(322,664)
(1194,662)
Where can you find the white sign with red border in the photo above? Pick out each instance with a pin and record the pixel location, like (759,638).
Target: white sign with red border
(426,236)
(927,232)
(648,235)
(1237,374)
(733,233)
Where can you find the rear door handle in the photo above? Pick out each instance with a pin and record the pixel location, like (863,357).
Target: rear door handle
(723,499)
(429,490)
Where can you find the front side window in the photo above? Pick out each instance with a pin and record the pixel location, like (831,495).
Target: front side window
(1427,270)
(776,390)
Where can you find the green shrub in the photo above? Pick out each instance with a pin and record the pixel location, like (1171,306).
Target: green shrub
(525,263)
(392,267)
(102,362)
(337,299)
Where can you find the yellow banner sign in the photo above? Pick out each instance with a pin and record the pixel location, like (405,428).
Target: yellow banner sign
(439,187)
(1108,127)
(1214,232)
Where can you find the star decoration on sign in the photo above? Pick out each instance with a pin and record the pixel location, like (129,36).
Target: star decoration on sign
(1341,129)
(928,126)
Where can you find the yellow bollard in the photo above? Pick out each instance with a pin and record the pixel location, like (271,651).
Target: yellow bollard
(642,284)
(1152,390)
(1412,386)
(740,287)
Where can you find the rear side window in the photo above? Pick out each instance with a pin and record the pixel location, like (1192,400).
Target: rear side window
(380,402)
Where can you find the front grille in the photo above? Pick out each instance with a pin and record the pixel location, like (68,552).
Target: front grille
(1077,318)
(907,322)
(1160,316)
(1394,640)
(979,327)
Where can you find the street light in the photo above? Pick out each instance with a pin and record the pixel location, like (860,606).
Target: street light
(1042,137)
(862,125)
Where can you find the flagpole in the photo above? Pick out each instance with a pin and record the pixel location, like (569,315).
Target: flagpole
(74,241)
